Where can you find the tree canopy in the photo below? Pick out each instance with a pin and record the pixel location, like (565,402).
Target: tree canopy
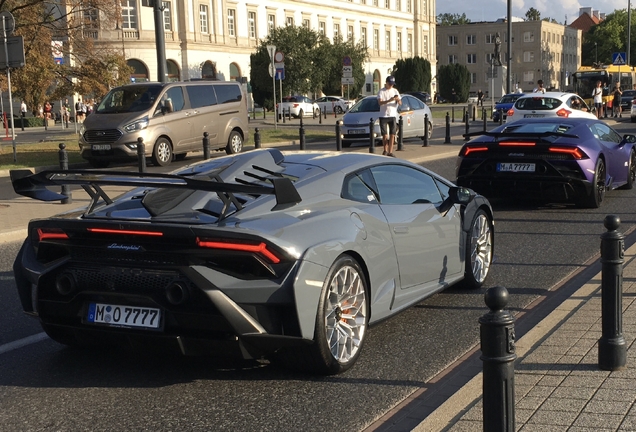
(608,37)
(447,19)
(451,77)
(533,15)
(413,74)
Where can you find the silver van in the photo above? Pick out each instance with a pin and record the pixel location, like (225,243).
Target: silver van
(170,117)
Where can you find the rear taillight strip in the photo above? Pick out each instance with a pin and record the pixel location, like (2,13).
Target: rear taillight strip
(468,150)
(51,233)
(260,248)
(125,232)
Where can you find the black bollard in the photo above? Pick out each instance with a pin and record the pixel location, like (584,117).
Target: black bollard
(467,126)
(371,137)
(611,345)
(283,115)
(257,138)
(453,113)
(425,137)
(320,117)
(313,113)
(483,113)
(22,122)
(500,117)
(289,113)
(338,137)
(301,131)
(474,113)
(66,191)
(141,155)
(206,146)
(325,113)
(264,113)
(497,338)
(400,145)
(463,113)
(448,139)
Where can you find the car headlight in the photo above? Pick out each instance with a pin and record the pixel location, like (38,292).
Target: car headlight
(138,125)
(82,130)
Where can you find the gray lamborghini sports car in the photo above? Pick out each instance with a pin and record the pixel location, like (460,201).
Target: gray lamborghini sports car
(287,256)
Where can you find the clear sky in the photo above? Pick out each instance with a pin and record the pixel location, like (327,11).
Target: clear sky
(490,10)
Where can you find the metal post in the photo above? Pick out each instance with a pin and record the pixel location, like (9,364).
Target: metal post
(141,155)
(320,117)
(325,113)
(400,144)
(474,113)
(453,112)
(338,137)
(611,345)
(500,117)
(289,113)
(271,49)
(206,146)
(257,138)
(497,338)
(265,114)
(485,121)
(160,41)
(448,139)
(425,137)
(463,113)
(6,56)
(467,118)
(371,137)
(313,113)
(301,131)
(66,191)
(283,115)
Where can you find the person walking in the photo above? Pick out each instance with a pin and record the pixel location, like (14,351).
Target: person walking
(480,97)
(540,88)
(389,99)
(616,101)
(597,94)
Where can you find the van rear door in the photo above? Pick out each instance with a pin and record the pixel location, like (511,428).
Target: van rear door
(176,118)
(205,115)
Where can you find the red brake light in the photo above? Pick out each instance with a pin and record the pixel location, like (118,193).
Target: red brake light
(574,151)
(260,248)
(127,232)
(510,112)
(563,112)
(517,144)
(468,150)
(51,233)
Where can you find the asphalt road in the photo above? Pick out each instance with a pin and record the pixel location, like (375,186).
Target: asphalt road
(45,386)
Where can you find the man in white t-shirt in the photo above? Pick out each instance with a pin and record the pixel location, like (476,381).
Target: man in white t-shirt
(389,99)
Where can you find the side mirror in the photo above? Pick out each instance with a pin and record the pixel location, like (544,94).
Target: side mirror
(629,138)
(457,195)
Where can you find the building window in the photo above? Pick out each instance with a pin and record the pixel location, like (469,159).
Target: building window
(471,39)
(376,39)
(203,18)
(90,20)
(528,56)
(425,44)
(271,23)
(289,21)
(452,59)
(490,38)
(336,31)
(409,43)
(363,36)
(321,27)
(471,58)
(306,23)
(129,14)
(528,76)
(349,32)
(167,15)
(452,40)
(398,5)
(387,41)
(251,20)
(231,29)
(399,41)
(473,78)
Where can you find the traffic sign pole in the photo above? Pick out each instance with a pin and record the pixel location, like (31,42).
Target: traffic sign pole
(271,49)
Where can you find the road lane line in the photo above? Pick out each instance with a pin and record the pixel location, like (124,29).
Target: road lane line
(12,346)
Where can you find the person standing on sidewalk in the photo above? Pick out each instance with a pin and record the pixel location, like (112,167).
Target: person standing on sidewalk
(389,99)
(616,101)
(597,93)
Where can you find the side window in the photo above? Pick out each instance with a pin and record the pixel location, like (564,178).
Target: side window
(172,100)
(355,189)
(228,93)
(406,104)
(398,184)
(605,133)
(201,96)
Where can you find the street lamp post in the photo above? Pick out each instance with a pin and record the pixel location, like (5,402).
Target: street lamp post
(595,52)
(629,29)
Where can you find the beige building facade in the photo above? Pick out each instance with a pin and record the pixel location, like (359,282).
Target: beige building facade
(540,50)
(214,38)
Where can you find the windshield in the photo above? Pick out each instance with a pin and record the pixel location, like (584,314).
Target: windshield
(586,82)
(366,105)
(509,99)
(129,99)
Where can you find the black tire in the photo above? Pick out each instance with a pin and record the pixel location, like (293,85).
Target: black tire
(346,144)
(234,143)
(180,156)
(162,152)
(631,173)
(479,250)
(98,163)
(597,194)
(317,113)
(430,130)
(338,110)
(336,346)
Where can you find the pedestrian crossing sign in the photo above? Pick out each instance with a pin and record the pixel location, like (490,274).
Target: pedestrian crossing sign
(618,59)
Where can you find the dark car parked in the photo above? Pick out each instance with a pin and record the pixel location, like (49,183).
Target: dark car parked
(423,96)
(626,100)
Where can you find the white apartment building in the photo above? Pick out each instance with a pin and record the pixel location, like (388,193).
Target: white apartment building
(214,38)
(540,50)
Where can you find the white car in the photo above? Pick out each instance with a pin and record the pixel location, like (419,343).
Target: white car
(549,104)
(299,106)
(333,104)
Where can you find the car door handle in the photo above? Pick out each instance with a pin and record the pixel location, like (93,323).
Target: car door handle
(400,229)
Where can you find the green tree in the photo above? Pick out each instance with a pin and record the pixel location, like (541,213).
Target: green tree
(413,74)
(533,15)
(447,19)
(606,38)
(331,60)
(453,76)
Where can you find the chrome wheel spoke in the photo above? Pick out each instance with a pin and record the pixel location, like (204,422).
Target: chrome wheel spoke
(481,248)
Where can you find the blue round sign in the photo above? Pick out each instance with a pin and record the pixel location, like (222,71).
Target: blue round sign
(346,61)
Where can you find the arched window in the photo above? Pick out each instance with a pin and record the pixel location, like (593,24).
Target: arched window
(376,81)
(235,72)
(208,71)
(140,71)
(173,71)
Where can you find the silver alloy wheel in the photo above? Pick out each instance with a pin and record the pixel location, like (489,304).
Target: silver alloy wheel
(481,247)
(236,143)
(345,314)
(164,152)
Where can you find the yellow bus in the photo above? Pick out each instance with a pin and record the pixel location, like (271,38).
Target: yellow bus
(585,78)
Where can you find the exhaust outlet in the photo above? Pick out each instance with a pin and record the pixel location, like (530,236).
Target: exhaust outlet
(177,293)
(65,283)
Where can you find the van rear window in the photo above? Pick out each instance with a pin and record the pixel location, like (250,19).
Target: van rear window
(201,96)
(228,93)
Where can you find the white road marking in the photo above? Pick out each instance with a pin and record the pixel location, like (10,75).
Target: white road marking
(12,346)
